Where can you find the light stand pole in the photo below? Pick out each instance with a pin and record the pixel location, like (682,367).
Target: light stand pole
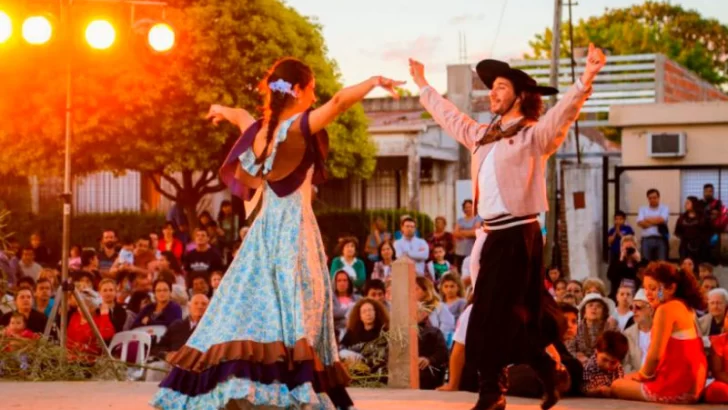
(573,78)
(67,287)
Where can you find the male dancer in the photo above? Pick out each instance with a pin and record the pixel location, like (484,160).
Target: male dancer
(513,318)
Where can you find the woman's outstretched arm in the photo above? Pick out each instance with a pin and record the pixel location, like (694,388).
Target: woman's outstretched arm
(346,98)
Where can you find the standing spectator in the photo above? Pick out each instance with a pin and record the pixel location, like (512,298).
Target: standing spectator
(442,238)
(378,234)
(605,366)
(693,231)
(625,266)
(168,242)
(452,293)
(44,296)
(177,215)
(108,254)
(35,321)
(411,246)
(117,313)
(709,203)
(43,255)
(348,262)
(712,323)
(203,258)
(616,233)
(27,266)
(398,233)
(163,311)
(717,392)
(438,266)
(675,369)
(638,334)
(432,351)
(440,317)
(9,271)
(383,267)
(653,221)
(464,232)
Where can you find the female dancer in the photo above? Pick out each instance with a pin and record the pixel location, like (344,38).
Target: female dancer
(267,338)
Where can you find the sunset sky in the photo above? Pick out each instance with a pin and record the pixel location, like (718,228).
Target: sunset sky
(377,36)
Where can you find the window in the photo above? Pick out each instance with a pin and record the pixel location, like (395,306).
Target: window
(692,182)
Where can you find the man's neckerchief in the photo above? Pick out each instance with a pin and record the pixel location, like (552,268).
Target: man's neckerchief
(496,134)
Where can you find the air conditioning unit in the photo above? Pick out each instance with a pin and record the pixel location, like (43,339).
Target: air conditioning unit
(666,145)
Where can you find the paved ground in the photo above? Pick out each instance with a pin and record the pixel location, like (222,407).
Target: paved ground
(133,396)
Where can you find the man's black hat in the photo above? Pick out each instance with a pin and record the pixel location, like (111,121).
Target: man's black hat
(489,70)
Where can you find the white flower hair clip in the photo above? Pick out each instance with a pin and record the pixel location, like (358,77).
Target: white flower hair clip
(282,86)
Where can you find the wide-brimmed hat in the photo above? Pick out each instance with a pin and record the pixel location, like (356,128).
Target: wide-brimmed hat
(489,70)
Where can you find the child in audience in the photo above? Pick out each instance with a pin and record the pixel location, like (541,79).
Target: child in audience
(605,365)
(452,292)
(623,314)
(126,253)
(17,328)
(438,266)
(553,275)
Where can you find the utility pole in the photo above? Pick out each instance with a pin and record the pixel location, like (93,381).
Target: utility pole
(552,216)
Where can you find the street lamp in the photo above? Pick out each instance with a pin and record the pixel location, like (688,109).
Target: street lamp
(100,34)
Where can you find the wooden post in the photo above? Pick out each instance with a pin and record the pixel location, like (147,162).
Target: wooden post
(403,353)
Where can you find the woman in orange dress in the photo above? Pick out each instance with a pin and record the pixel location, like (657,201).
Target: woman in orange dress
(675,368)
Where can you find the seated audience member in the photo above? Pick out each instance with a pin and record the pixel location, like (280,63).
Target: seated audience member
(626,266)
(452,293)
(377,290)
(560,289)
(26,282)
(163,311)
(117,313)
(711,324)
(35,321)
(596,285)
(705,269)
(438,266)
(594,314)
(90,264)
(215,279)
(604,367)
(569,299)
(81,341)
(552,276)
(83,280)
(708,283)
(137,301)
(199,283)
(440,317)
(348,262)
(717,392)
(383,267)
(623,313)
(168,261)
(343,298)
(175,337)
(203,258)
(44,296)
(575,288)
(432,351)
(463,376)
(168,243)
(363,341)
(17,328)
(180,297)
(675,369)
(638,334)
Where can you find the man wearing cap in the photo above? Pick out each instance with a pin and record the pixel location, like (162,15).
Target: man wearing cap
(511,308)
(639,333)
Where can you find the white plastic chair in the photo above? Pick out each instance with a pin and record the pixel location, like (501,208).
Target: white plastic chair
(123,339)
(156,330)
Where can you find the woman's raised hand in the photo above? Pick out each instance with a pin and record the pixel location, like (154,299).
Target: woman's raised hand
(389,85)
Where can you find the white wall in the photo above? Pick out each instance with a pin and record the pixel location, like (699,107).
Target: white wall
(584,225)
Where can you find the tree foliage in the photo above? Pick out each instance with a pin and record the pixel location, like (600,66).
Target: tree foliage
(134,110)
(696,42)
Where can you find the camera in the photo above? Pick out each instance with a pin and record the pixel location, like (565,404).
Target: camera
(631,251)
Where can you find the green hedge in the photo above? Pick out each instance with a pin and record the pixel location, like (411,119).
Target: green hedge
(86,229)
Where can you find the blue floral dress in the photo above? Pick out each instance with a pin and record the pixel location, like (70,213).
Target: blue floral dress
(267,336)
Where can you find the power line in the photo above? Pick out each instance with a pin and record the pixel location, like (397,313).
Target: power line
(497,31)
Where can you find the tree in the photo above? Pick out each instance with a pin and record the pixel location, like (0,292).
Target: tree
(698,43)
(135,111)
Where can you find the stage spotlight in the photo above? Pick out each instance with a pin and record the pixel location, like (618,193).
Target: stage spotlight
(37,30)
(6,27)
(100,34)
(161,37)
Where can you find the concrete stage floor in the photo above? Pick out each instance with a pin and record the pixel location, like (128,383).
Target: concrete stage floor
(135,395)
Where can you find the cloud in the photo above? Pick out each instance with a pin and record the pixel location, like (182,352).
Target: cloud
(423,47)
(466,18)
